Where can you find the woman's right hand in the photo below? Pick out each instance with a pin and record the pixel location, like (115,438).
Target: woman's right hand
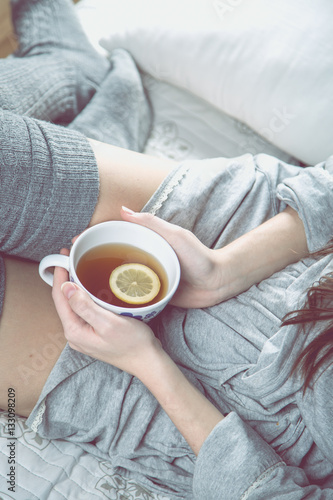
(212,276)
(203,279)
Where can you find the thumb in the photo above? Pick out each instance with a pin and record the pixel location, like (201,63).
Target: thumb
(68,289)
(80,303)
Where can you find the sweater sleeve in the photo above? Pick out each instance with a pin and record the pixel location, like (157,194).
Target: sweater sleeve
(310,193)
(49,186)
(236,463)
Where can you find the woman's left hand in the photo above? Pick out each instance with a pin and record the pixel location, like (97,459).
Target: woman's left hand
(124,342)
(131,346)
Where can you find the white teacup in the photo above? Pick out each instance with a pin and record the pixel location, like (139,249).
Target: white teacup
(119,232)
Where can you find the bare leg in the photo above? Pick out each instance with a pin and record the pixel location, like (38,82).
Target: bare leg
(31,335)
(126,178)
(30,331)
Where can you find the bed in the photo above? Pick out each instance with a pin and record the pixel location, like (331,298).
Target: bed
(224,79)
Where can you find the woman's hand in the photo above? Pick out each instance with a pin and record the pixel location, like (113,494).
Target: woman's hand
(212,276)
(201,274)
(124,342)
(205,274)
(131,346)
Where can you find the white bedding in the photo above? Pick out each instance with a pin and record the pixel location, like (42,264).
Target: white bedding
(59,470)
(186,126)
(265,63)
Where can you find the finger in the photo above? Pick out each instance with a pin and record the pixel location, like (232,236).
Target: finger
(77,331)
(70,320)
(60,276)
(65,313)
(169,231)
(75,238)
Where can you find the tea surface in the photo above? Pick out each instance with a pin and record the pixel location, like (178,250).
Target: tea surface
(96,265)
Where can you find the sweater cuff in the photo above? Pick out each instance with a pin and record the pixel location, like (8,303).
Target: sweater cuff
(310,194)
(232,459)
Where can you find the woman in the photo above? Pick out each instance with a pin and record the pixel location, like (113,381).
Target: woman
(213,376)
(222,373)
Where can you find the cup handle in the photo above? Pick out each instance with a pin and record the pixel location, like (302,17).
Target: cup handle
(51,261)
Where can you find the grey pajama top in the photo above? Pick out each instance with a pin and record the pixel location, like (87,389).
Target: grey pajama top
(273,442)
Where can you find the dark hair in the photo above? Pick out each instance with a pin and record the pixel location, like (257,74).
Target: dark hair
(318,307)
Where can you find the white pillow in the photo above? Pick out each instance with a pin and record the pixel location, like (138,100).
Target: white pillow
(268,64)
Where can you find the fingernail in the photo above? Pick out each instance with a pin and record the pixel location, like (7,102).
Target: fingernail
(68,289)
(128,210)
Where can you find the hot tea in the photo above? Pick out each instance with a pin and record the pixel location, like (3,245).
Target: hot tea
(96,265)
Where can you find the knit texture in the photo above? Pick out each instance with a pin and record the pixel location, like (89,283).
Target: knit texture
(42,87)
(49,186)
(119,113)
(55,71)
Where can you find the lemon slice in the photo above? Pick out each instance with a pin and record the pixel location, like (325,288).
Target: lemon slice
(134,283)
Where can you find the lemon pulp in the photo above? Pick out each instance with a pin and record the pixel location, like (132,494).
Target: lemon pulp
(134,283)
